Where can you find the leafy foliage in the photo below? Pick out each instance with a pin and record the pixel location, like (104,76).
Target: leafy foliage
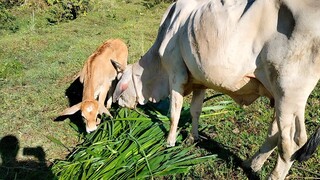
(130,146)
(7,20)
(64,10)
(10,68)
(11,3)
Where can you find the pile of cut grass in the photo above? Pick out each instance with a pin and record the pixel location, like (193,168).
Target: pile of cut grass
(132,145)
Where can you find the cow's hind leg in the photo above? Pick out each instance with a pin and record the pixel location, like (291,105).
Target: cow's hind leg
(258,159)
(292,133)
(195,110)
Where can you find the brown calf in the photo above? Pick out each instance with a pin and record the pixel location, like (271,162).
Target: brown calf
(97,75)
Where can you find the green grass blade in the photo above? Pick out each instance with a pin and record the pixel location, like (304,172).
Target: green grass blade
(58,142)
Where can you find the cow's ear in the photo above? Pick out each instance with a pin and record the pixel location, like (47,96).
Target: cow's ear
(123,83)
(71,110)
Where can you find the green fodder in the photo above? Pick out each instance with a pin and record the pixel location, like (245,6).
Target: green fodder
(130,146)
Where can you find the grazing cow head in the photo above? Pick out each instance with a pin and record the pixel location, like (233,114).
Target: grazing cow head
(89,112)
(125,89)
(141,82)
(145,80)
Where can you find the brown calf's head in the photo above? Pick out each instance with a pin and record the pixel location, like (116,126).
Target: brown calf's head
(89,112)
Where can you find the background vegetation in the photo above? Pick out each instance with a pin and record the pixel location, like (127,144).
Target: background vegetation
(44,43)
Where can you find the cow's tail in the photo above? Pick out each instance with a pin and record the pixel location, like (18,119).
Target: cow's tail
(305,152)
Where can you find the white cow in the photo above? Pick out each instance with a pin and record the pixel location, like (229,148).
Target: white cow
(244,49)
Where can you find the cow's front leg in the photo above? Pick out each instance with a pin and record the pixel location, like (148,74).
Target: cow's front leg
(195,110)
(175,110)
(175,66)
(176,81)
(258,159)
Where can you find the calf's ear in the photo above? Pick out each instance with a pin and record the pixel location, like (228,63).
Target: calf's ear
(71,110)
(119,68)
(123,83)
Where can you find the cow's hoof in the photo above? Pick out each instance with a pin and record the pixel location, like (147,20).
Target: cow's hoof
(249,165)
(171,143)
(246,164)
(192,140)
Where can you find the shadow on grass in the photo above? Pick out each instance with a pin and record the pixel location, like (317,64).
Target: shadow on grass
(11,168)
(74,95)
(228,156)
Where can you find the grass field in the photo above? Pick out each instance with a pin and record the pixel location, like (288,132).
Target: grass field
(39,62)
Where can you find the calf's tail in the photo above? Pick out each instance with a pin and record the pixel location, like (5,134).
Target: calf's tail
(305,152)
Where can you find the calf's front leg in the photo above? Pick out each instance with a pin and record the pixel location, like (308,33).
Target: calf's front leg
(102,98)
